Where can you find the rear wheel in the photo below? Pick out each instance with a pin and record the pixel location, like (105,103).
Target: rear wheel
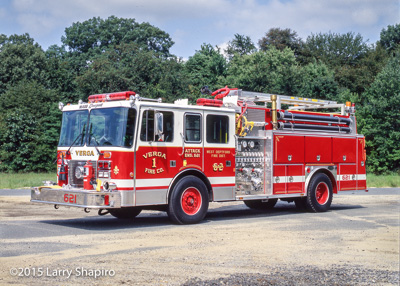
(125,213)
(188,202)
(319,193)
(261,205)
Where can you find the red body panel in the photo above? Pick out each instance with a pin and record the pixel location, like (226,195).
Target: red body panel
(288,179)
(293,152)
(294,185)
(344,150)
(347,177)
(318,150)
(288,149)
(279,185)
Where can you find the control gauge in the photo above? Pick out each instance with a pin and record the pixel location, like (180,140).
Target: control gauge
(251,144)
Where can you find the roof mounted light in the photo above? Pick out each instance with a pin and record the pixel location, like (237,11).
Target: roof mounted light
(60,106)
(123,95)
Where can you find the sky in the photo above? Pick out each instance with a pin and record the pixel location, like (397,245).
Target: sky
(192,23)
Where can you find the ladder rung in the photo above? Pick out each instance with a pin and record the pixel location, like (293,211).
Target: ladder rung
(266,97)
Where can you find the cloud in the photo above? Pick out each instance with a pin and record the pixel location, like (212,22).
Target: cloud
(310,16)
(191,23)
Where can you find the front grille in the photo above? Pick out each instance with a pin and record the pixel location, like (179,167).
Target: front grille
(72,179)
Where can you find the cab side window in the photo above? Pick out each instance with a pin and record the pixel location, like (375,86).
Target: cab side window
(147,128)
(193,128)
(217,129)
(168,127)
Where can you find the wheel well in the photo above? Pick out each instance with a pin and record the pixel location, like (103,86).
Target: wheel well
(330,176)
(192,172)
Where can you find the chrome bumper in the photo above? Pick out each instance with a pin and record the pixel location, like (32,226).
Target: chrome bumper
(76,198)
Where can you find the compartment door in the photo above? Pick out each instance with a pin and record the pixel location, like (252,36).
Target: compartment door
(347,177)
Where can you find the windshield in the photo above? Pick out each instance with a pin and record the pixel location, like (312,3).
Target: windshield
(73,125)
(105,127)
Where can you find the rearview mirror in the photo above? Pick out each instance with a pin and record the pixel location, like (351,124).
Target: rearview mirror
(159,126)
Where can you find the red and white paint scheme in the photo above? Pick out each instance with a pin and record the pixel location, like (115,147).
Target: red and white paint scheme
(121,153)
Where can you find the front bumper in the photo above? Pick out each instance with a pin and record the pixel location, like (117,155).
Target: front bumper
(76,197)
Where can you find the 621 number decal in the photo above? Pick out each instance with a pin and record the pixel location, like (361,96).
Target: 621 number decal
(70,198)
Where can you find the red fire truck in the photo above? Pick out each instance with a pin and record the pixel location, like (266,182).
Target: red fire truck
(121,153)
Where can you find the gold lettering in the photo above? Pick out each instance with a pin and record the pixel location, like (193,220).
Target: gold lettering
(84,153)
(149,171)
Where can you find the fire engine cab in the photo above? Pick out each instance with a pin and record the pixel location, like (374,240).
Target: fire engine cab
(121,153)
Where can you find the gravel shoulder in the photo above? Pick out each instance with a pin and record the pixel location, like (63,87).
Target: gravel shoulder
(356,243)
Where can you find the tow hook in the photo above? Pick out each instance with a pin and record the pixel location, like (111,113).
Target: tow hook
(56,207)
(86,210)
(103,212)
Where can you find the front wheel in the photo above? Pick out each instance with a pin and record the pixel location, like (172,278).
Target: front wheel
(188,202)
(319,193)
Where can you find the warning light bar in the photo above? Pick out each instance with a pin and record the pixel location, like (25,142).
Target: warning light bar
(123,95)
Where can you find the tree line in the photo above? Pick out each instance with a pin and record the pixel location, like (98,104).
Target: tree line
(114,54)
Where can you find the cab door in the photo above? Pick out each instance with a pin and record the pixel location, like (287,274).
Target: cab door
(219,153)
(156,155)
(193,142)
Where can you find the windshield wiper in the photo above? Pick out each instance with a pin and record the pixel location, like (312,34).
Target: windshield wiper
(95,140)
(77,137)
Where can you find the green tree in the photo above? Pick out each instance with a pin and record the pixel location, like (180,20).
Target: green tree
(240,45)
(280,39)
(272,71)
(88,45)
(359,76)
(62,76)
(379,119)
(316,80)
(96,34)
(390,37)
(21,59)
(128,67)
(29,126)
(345,54)
(336,49)
(207,67)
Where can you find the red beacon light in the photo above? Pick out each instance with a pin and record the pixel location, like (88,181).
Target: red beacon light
(115,96)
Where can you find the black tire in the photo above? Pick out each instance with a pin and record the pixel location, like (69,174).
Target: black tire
(125,213)
(188,202)
(319,193)
(260,205)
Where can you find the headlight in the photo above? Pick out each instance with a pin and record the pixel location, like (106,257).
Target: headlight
(244,144)
(79,172)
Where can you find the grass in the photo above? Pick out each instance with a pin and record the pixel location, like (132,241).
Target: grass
(381,181)
(26,180)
